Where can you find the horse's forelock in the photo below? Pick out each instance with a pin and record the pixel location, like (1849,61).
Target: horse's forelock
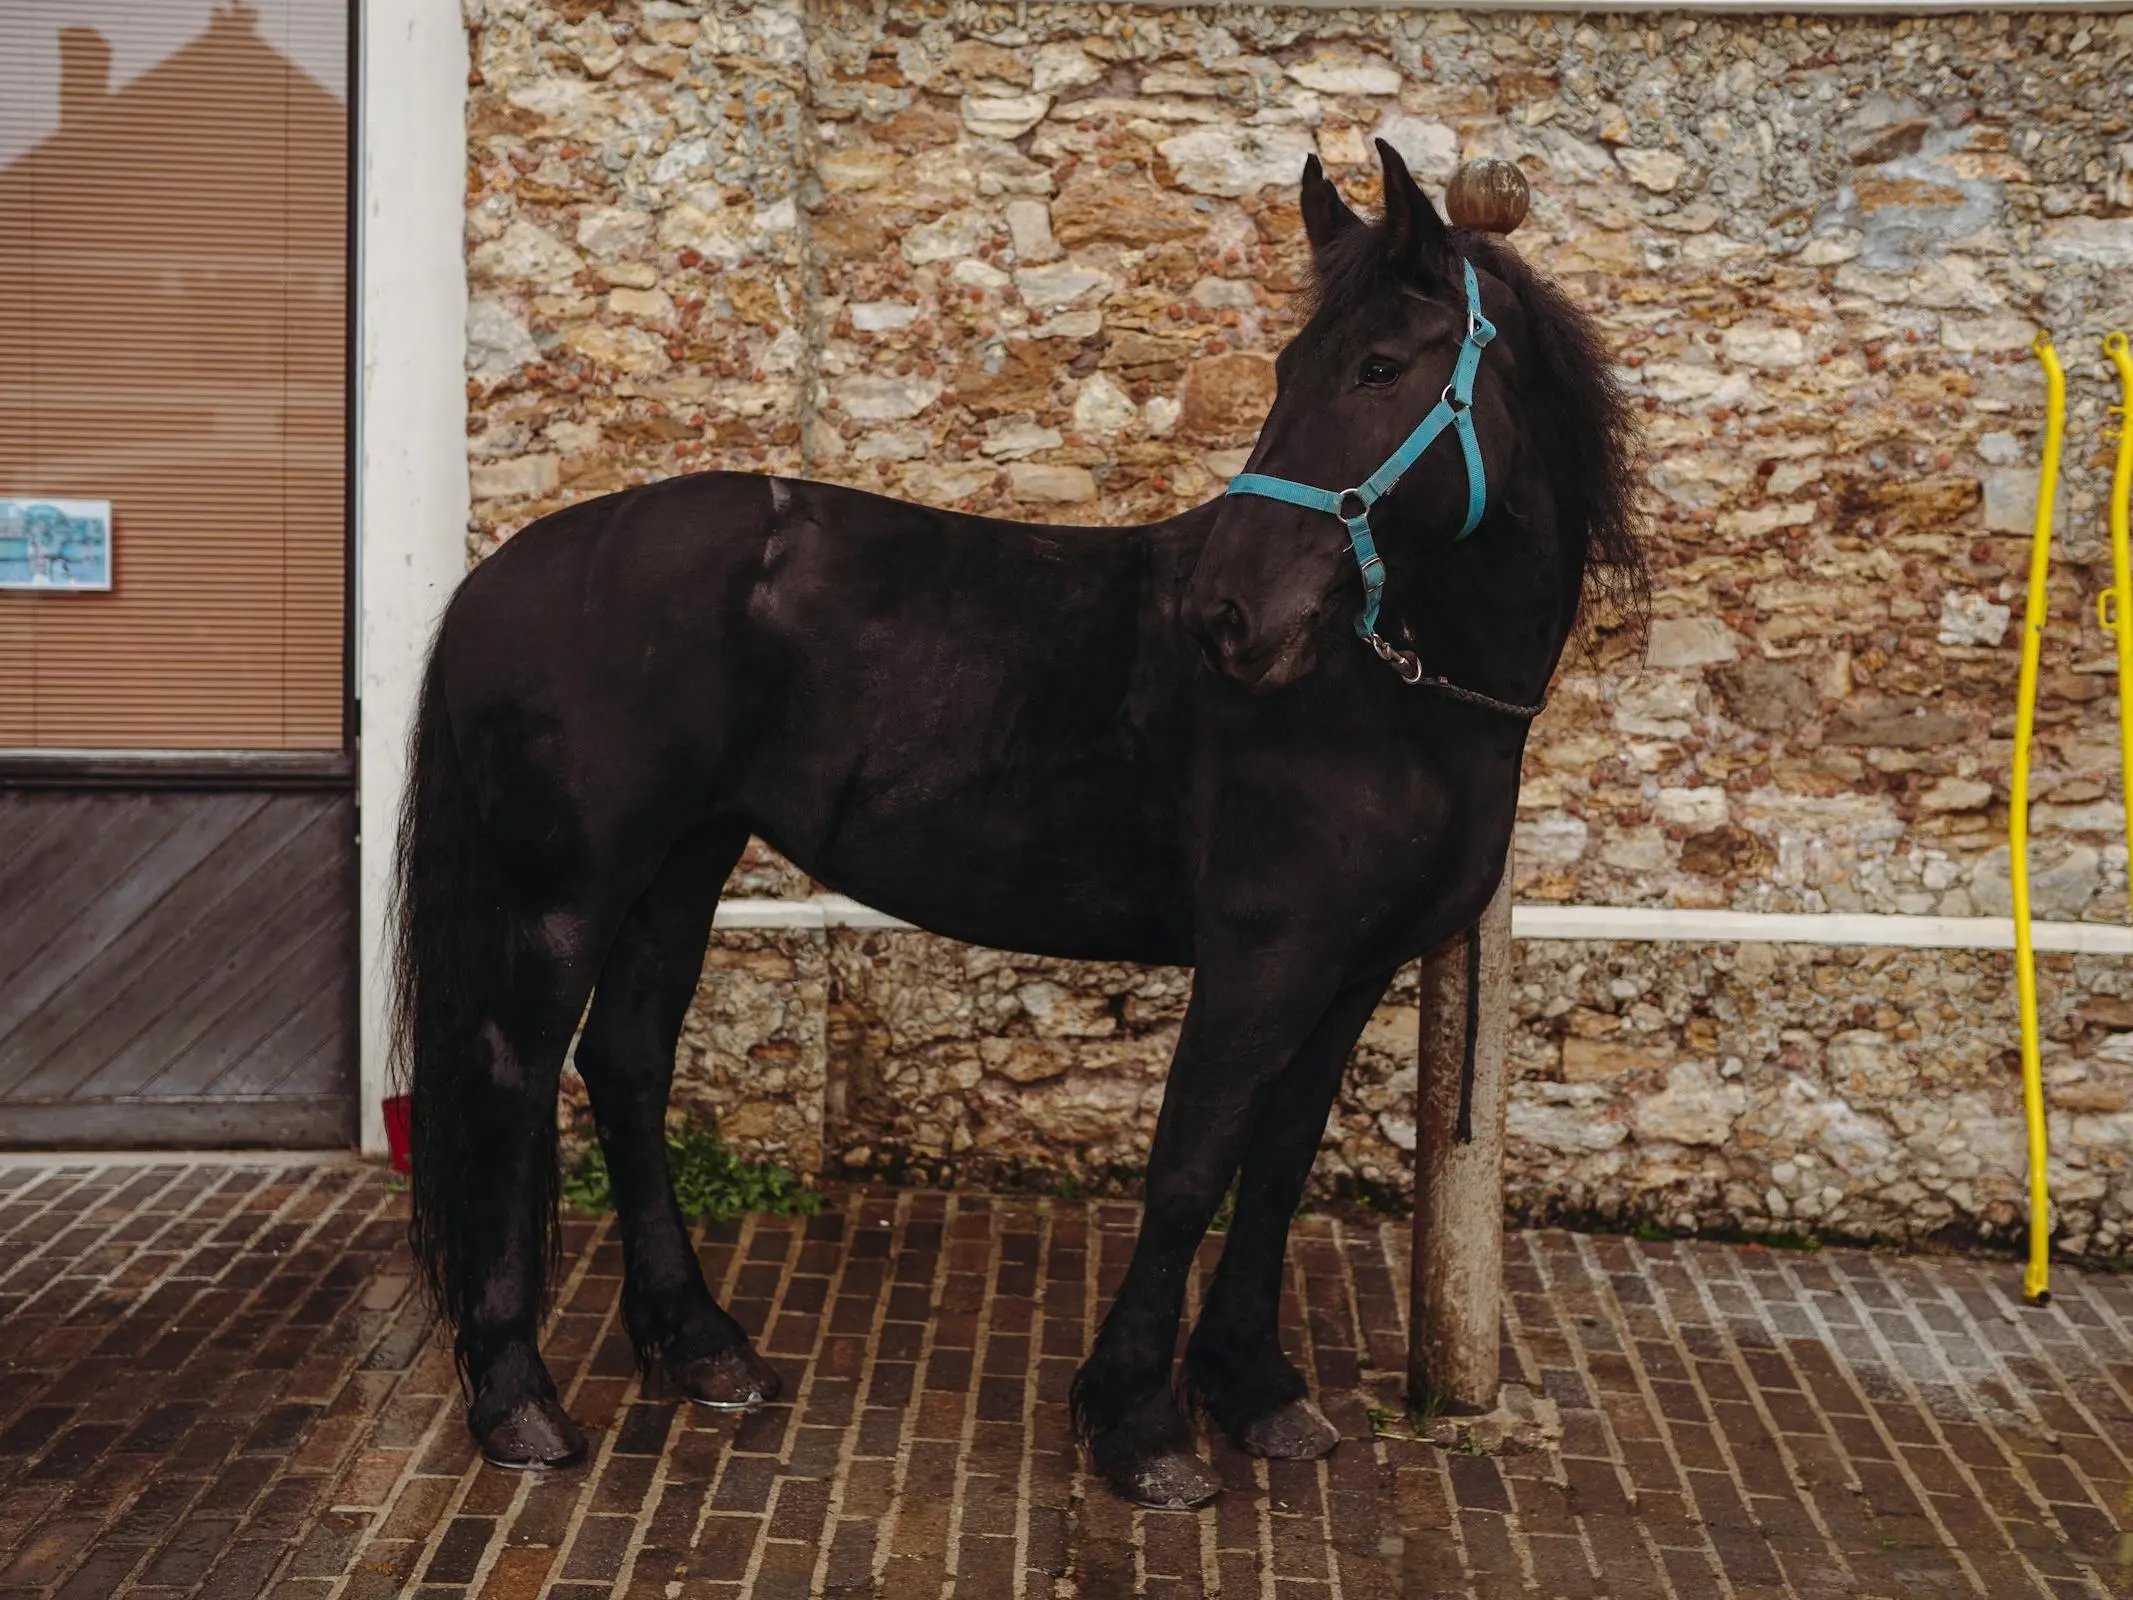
(1353,269)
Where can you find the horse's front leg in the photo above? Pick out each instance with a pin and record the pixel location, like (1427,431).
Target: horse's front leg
(1234,1364)
(1247,1019)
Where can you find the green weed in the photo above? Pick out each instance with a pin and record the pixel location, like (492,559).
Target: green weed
(1226,1212)
(1424,1411)
(709,1179)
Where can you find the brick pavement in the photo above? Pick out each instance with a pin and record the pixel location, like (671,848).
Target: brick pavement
(215,1380)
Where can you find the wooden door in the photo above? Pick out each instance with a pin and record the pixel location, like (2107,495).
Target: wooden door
(176,968)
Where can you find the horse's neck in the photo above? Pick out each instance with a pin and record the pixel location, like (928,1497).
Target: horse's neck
(1491,618)
(1174,546)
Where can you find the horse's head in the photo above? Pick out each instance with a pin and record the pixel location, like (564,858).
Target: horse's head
(1394,318)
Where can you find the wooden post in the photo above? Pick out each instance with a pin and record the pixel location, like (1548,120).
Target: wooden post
(1455,1314)
(1456,1309)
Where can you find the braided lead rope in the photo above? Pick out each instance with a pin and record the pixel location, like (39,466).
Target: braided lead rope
(1409,666)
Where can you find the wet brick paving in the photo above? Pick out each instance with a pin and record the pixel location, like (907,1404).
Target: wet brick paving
(215,1380)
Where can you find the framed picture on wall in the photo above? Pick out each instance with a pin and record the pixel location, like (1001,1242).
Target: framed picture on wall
(55,544)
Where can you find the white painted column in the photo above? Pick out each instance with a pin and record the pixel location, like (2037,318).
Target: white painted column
(411,473)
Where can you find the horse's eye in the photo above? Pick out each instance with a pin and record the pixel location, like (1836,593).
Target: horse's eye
(1378,372)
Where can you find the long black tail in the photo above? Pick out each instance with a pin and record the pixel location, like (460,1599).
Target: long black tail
(455,940)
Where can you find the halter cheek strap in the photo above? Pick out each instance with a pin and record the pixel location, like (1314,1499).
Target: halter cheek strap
(1455,410)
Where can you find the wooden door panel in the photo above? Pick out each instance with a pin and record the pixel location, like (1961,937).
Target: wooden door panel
(180,968)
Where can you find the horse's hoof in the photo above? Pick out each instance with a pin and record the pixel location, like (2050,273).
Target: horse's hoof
(533,1436)
(732,1380)
(1177,1480)
(1298,1431)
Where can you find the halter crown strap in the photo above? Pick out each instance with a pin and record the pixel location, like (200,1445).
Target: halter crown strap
(1454,410)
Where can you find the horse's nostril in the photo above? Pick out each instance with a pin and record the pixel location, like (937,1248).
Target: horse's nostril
(1226,632)
(1223,631)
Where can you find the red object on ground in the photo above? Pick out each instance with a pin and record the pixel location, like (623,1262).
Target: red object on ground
(396,1131)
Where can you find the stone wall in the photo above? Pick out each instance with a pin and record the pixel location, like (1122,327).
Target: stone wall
(1864,1093)
(1868,1093)
(1034,260)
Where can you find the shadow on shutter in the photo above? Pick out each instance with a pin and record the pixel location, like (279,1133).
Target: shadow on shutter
(173,248)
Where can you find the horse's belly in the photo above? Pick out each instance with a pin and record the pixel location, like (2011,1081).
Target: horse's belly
(1069,882)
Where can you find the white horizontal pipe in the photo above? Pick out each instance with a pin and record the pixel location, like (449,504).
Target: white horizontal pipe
(817,911)
(1658,925)
(1626,924)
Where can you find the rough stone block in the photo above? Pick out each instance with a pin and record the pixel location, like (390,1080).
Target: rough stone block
(1689,642)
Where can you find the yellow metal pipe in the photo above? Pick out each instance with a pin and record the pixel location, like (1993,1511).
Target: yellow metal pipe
(2036,1280)
(2121,590)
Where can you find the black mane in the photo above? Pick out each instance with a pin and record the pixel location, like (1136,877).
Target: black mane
(1582,421)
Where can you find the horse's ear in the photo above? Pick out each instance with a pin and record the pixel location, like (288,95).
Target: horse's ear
(1414,233)
(1326,214)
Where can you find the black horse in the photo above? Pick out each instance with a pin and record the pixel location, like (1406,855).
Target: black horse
(1160,744)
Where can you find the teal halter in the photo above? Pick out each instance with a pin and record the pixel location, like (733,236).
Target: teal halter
(1455,409)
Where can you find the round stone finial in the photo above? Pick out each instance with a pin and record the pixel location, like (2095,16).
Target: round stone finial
(1489,196)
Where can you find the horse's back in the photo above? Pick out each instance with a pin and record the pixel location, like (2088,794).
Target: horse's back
(620,568)
(973,723)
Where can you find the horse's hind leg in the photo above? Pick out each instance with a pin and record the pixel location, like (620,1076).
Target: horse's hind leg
(507,1176)
(1234,1363)
(626,1057)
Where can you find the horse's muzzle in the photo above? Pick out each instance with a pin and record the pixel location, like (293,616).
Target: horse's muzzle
(1237,648)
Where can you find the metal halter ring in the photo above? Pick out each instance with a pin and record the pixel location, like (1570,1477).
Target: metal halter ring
(1405,662)
(1449,399)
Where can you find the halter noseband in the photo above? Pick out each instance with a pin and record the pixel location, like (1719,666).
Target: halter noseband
(1455,410)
